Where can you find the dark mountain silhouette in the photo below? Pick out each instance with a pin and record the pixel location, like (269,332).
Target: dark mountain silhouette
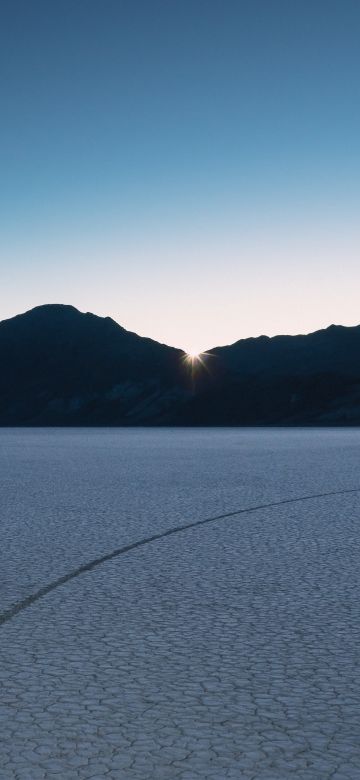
(61,367)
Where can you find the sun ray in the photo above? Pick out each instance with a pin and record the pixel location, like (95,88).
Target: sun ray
(196,361)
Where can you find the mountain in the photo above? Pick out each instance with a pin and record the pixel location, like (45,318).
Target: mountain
(284,380)
(61,367)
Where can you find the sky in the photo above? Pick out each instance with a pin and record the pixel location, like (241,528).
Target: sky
(190,168)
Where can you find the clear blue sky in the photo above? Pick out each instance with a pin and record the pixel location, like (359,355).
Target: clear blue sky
(189,167)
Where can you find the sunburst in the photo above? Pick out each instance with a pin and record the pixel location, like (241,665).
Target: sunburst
(196,360)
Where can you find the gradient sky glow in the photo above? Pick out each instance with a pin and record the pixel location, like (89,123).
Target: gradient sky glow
(189,167)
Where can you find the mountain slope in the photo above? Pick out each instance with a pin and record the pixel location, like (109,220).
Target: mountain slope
(61,367)
(284,380)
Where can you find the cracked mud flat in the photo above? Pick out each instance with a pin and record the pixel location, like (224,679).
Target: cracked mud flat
(229,650)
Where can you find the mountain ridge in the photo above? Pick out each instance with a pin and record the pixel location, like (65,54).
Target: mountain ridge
(263,336)
(60,366)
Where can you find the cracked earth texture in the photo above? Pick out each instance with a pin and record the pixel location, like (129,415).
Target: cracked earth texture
(230,650)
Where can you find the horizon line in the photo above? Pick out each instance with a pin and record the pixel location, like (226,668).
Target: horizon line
(202,352)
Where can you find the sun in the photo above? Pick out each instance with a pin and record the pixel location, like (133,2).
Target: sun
(196,362)
(194,359)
